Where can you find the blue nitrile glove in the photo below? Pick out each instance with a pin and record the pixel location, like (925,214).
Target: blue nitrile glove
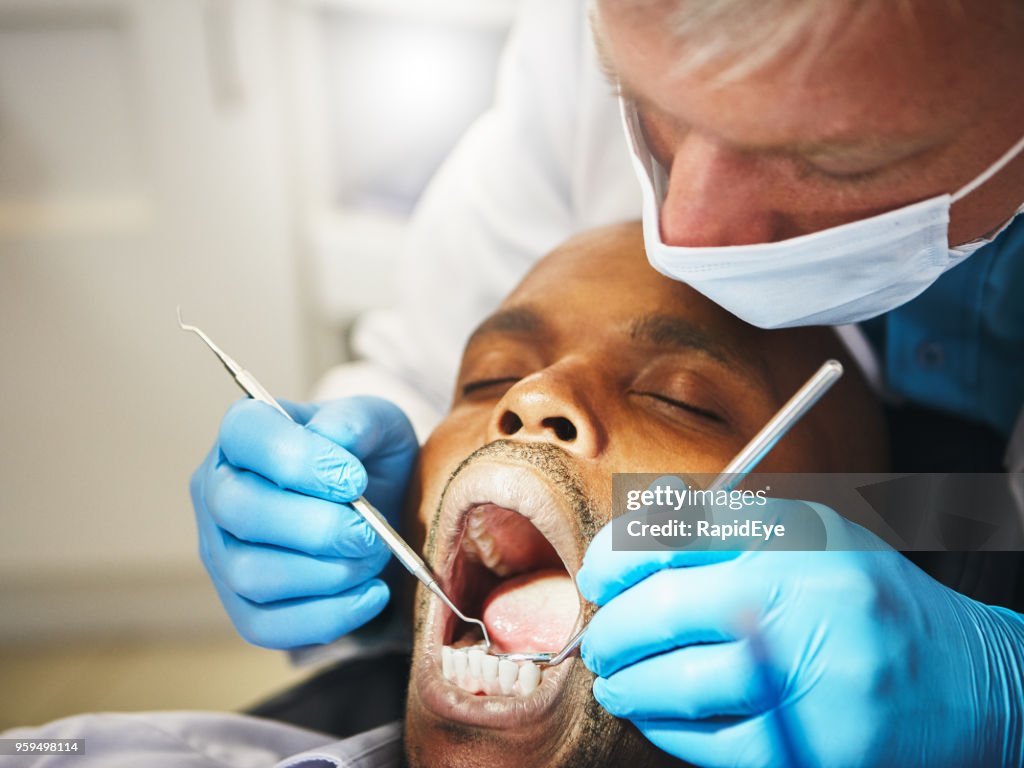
(876,663)
(292,563)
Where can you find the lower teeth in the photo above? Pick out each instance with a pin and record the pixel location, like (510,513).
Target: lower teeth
(478,672)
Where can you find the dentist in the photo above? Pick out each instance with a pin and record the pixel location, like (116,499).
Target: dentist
(800,162)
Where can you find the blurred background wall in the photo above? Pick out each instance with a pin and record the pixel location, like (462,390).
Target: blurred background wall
(252,160)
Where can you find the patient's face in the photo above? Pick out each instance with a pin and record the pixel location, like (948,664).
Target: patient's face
(595,364)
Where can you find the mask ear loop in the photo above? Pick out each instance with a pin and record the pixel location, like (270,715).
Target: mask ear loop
(654,173)
(991,171)
(637,143)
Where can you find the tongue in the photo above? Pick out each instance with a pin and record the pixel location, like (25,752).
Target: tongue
(532,612)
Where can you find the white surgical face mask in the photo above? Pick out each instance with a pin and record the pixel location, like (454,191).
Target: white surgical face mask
(840,275)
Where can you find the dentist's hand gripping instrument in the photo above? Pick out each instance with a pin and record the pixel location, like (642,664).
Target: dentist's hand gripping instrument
(405,554)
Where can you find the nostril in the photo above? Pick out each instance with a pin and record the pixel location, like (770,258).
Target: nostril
(509,423)
(564,429)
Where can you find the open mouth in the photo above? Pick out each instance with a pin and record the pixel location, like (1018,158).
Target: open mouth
(506,551)
(506,572)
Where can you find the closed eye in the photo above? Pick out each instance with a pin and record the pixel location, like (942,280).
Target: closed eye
(849,177)
(476,386)
(702,412)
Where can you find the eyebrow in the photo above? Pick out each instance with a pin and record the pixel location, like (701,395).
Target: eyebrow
(511,320)
(670,331)
(660,330)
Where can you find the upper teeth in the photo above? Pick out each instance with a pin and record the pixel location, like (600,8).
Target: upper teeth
(478,672)
(480,543)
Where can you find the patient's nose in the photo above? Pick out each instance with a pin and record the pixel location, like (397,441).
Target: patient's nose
(546,407)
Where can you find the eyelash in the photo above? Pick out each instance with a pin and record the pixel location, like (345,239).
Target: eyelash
(475,386)
(710,415)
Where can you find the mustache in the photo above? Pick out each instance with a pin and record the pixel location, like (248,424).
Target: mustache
(555,464)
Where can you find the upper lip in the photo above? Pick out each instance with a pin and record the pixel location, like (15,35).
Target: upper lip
(514,485)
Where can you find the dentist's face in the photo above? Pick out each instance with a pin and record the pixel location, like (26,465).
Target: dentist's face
(595,364)
(881,104)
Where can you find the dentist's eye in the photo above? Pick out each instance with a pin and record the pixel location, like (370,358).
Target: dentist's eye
(486,385)
(684,406)
(841,169)
(848,177)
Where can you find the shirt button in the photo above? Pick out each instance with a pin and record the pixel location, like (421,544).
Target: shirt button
(930,355)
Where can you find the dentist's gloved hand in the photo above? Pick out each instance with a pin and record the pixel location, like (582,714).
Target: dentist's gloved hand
(876,663)
(293,564)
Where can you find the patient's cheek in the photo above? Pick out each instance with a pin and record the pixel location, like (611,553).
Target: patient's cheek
(438,458)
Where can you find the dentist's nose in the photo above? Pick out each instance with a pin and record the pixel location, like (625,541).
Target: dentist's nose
(716,197)
(550,406)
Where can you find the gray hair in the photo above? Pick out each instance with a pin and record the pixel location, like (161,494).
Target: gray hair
(737,37)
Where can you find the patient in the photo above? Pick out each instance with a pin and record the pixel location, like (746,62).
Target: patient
(595,364)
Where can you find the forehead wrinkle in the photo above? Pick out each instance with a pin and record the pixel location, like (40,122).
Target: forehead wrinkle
(836,142)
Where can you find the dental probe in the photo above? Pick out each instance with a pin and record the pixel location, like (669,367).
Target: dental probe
(733,474)
(404,553)
(788,415)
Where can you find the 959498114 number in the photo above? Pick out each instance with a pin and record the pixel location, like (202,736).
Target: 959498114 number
(41,746)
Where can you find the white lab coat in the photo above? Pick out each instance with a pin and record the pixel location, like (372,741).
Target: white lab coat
(548,160)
